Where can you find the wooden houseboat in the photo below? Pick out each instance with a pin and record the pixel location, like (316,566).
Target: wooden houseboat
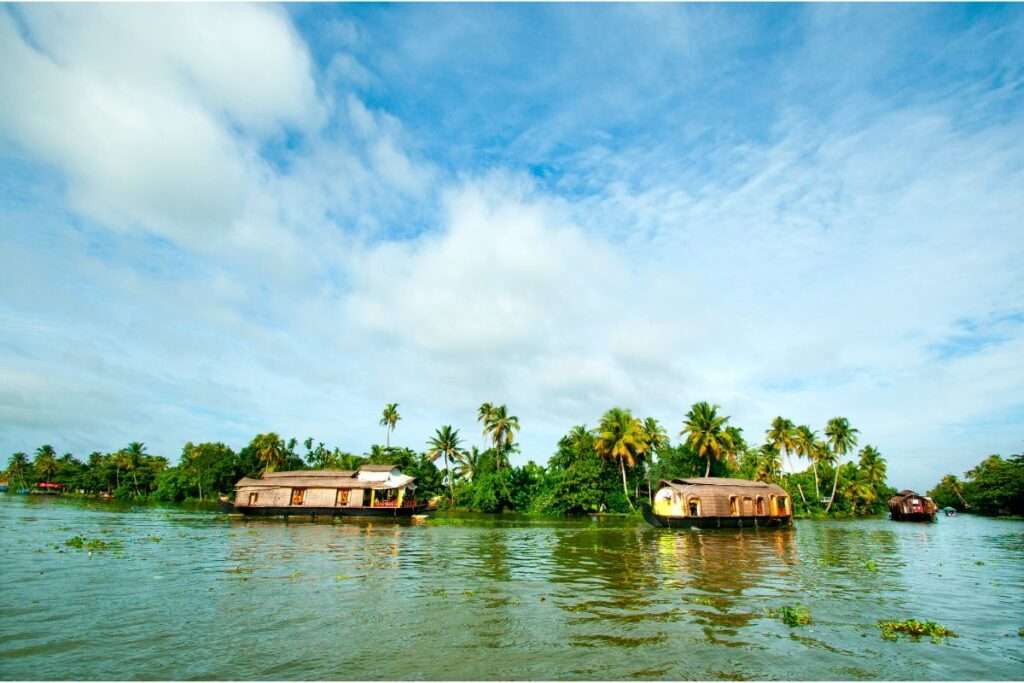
(716,502)
(908,506)
(372,490)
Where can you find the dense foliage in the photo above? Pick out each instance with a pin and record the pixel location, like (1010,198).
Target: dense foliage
(993,487)
(609,468)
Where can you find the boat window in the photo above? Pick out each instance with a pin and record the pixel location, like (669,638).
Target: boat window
(781,501)
(342,497)
(695,507)
(748,506)
(734,506)
(298,495)
(760,505)
(253,497)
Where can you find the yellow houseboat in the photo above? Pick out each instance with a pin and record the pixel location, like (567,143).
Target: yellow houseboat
(372,490)
(716,502)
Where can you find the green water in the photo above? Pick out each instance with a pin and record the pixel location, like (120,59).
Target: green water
(198,595)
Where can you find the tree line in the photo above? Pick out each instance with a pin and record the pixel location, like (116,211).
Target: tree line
(995,486)
(609,467)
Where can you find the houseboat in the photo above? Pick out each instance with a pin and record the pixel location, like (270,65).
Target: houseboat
(3,487)
(372,490)
(716,502)
(908,506)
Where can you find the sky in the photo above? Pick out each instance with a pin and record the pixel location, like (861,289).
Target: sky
(221,220)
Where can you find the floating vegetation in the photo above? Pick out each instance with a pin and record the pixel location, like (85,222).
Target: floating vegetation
(704,601)
(915,629)
(791,615)
(342,577)
(152,539)
(979,563)
(1020,633)
(439,592)
(92,544)
(871,566)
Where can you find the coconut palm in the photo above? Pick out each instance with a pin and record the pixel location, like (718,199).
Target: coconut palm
(467,463)
(858,490)
(45,463)
(388,419)
(782,435)
(842,438)
(132,458)
(501,427)
(270,449)
(706,432)
(736,443)
(483,415)
(804,447)
(18,469)
(445,442)
(656,438)
(872,467)
(620,436)
(769,463)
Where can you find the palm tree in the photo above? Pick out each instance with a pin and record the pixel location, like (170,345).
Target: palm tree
(501,427)
(483,415)
(737,444)
(270,450)
(18,468)
(769,464)
(858,490)
(705,432)
(45,463)
(445,443)
(656,438)
(620,436)
(804,446)
(782,435)
(468,463)
(133,456)
(872,467)
(843,438)
(388,419)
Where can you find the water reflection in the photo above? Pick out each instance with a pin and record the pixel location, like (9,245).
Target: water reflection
(509,598)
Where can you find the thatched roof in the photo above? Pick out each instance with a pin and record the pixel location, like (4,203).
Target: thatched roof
(310,473)
(302,479)
(377,468)
(723,486)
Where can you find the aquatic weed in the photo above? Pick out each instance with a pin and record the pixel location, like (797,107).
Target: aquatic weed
(92,544)
(791,615)
(871,566)
(915,629)
(1021,632)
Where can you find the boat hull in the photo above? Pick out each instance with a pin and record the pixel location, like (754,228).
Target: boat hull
(912,516)
(388,513)
(762,521)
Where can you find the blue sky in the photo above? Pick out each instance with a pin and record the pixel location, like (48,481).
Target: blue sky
(222,220)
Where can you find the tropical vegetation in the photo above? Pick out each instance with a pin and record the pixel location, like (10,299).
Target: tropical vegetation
(609,467)
(995,486)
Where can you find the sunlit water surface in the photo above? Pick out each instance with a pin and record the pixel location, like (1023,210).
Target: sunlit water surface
(199,595)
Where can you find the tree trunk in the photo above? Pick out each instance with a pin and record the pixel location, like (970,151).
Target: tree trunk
(834,483)
(801,490)
(817,491)
(451,491)
(707,470)
(199,483)
(387,437)
(625,487)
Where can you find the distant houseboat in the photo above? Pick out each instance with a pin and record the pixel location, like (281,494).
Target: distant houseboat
(48,488)
(908,506)
(714,502)
(372,490)
(3,487)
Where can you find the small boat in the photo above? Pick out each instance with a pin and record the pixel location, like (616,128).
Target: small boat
(718,503)
(370,491)
(949,511)
(48,488)
(909,506)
